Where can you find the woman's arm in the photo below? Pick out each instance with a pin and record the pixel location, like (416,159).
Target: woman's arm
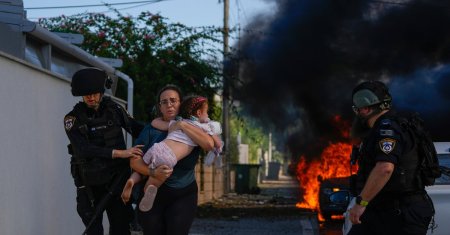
(199,137)
(161,172)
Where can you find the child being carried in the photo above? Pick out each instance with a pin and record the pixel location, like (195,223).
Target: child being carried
(174,147)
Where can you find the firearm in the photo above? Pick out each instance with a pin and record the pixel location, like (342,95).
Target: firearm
(113,190)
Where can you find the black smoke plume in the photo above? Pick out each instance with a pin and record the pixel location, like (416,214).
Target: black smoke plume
(296,68)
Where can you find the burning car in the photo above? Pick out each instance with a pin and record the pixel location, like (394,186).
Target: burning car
(440,192)
(330,202)
(319,177)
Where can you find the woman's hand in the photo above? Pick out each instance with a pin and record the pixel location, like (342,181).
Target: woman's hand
(161,172)
(133,152)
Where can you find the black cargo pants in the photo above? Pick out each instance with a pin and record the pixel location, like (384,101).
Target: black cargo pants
(409,215)
(119,214)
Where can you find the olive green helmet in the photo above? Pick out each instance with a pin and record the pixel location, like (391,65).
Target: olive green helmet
(371,93)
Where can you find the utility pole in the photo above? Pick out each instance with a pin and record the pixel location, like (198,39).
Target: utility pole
(270,146)
(225,99)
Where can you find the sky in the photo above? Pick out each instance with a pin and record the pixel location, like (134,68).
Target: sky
(188,12)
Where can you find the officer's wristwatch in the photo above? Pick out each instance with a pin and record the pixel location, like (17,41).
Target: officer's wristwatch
(361,202)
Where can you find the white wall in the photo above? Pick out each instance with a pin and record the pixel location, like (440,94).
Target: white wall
(37,194)
(243,153)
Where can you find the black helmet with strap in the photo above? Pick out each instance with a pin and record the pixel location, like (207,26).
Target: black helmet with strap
(89,81)
(371,93)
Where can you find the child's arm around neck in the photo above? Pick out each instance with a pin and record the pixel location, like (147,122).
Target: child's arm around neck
(160,124)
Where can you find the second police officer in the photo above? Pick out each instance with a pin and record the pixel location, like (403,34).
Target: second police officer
(99,163)
(391,200)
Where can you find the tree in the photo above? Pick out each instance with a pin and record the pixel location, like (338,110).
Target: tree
(154,53)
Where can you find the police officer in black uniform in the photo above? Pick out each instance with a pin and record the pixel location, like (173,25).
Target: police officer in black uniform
(391,199)
(99,162)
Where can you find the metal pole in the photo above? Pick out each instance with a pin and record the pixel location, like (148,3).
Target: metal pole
(130,93)
(225,100)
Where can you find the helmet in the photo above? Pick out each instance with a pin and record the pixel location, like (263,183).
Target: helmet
(89,81)
(371,93)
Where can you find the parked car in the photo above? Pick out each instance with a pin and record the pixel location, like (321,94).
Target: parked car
(333,203)
(440,192)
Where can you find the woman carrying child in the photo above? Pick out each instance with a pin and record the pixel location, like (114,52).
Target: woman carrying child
(176,200)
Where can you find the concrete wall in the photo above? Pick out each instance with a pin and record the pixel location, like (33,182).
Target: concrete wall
(210,183)
(37,194)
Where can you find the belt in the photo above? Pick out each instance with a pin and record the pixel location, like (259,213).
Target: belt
(394,202)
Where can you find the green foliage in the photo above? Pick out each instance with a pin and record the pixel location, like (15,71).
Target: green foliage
(277,157)
(251,134)
(154,53)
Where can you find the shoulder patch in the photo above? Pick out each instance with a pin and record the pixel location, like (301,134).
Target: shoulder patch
(69,121)
(387,145)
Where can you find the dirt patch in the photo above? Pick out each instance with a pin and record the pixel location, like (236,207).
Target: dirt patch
(251,205)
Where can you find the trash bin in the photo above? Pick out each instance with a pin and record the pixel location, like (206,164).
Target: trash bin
(274,171)
(246,179)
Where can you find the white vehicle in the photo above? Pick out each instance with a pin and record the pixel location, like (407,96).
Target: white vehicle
(440,192)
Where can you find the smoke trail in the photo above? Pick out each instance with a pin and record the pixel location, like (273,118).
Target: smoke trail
(302,69)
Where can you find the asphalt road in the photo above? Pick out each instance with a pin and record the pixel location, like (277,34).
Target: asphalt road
(272,211)
(256,225)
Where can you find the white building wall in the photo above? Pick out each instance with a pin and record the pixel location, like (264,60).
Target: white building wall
(243,153)
(37,194)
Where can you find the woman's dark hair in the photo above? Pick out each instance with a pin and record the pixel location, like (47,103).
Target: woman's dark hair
(155,110)
(169,87)
(191,104)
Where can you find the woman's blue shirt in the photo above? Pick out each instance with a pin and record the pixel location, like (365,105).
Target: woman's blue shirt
(184,171)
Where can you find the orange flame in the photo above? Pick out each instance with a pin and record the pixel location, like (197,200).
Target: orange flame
(334,161)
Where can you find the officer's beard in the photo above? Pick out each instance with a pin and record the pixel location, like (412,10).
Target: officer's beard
(359,128)
(95,105)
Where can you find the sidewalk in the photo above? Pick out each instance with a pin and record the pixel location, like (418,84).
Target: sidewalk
(272,211)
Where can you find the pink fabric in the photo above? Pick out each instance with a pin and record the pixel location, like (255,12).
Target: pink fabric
(160,154)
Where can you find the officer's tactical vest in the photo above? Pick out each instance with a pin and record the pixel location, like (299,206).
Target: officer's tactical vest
(102,131)
(404,179)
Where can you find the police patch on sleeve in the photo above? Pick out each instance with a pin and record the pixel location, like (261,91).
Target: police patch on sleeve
(68,122)
(387,145)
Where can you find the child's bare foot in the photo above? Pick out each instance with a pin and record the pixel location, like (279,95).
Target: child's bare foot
(126,193)
(148,198)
